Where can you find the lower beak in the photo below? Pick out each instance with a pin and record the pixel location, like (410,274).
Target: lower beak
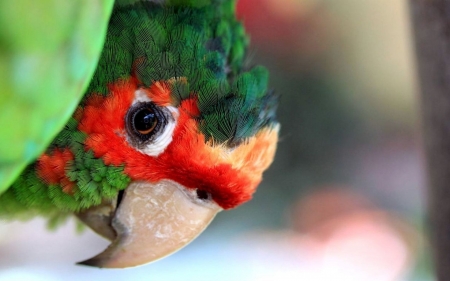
(151,222)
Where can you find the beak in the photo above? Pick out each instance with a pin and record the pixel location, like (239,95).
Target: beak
(150,222)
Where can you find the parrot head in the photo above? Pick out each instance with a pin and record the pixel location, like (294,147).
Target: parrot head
(173,129)
(179,180)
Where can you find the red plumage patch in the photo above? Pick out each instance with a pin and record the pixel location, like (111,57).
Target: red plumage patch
(188,159)
(160,92)
(51,168)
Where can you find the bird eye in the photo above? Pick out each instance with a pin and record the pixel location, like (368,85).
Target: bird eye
(144,122)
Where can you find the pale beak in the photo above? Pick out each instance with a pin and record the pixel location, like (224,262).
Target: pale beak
(151,222)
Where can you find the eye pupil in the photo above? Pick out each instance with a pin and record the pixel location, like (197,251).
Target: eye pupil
(145,121)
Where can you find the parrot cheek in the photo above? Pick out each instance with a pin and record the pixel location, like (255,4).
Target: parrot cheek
(152,221)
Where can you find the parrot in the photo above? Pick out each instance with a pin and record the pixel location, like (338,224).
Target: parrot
(46,48)
(175,126)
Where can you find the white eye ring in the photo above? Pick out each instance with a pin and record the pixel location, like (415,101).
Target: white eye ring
(163,136)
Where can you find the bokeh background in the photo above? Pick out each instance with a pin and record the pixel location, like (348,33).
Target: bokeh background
(345,197)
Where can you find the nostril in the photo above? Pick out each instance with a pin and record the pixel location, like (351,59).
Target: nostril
(203,195)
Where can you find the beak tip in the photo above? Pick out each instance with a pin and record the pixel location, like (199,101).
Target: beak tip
(91,262)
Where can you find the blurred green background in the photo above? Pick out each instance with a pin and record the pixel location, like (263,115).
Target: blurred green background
(344,199)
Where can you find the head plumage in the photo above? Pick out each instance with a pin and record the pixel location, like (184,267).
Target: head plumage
(205,46)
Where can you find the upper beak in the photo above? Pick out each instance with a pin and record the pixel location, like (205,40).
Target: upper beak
(151,222)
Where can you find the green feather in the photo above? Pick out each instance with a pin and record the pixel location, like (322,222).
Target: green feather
(207,45)
(200,41)
(48,53)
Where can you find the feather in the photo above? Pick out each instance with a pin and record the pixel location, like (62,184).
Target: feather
(198,48)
